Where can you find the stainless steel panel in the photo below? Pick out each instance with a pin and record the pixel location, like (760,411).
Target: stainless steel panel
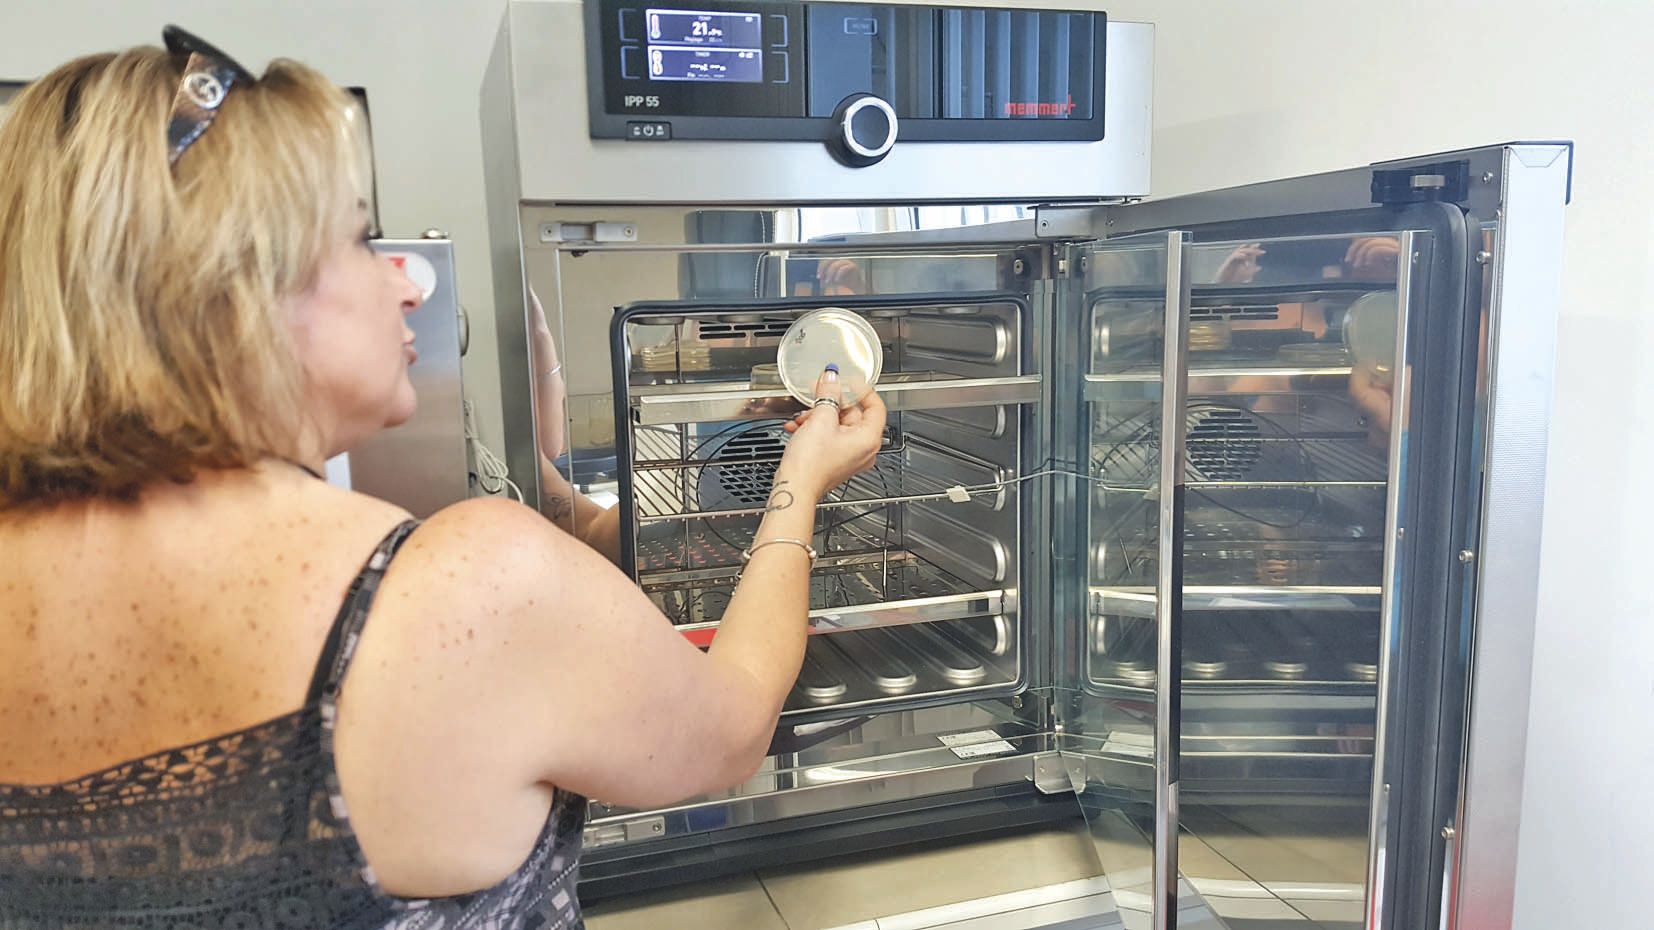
(547,105)
(959,547)
(951,470)
(423,465)
(988,432)
(1527,293)
(1331,192)
(961,340)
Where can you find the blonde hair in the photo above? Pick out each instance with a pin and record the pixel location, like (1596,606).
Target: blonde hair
(142,326)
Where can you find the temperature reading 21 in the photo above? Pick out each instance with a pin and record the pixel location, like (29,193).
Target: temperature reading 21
(703,29)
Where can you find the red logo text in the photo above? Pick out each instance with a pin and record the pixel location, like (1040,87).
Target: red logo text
(1041,109)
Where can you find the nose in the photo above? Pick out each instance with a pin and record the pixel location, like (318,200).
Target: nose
(408,293)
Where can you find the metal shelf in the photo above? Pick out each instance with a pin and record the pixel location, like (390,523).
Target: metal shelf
(1304,693)
(1139,601)
(1248,461)
(1217,376)
(741,402)
(848,590)
(680,491)
(1206,295)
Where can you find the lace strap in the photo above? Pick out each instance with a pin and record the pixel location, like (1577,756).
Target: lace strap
(353,614)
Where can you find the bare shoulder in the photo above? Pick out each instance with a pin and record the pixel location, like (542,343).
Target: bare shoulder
(495,554)
(489,531)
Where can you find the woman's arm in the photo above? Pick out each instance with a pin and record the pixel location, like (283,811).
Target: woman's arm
(586,520)
(576,513)
(565,670)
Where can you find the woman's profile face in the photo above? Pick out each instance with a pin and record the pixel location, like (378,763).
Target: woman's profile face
(351,332)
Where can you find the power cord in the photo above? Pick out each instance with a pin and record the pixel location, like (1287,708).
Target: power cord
(491,475)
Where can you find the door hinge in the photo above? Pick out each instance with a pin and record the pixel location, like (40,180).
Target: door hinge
(1051,774)
(1446,182)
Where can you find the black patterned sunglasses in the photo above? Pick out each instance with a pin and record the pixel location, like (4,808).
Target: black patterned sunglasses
(209,75)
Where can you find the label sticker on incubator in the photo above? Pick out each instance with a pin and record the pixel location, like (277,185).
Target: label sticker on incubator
(976,744)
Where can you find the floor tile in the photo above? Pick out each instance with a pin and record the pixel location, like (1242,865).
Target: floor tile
(737,903)
(842,891)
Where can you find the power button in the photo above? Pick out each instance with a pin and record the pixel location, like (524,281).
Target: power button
(648,130)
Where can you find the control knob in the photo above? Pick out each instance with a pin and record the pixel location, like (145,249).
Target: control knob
(864,130)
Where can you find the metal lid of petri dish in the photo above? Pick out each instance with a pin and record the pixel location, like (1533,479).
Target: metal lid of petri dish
(1370,331)
(830,336)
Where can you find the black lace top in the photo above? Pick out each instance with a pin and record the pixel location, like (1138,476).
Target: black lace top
(248,831)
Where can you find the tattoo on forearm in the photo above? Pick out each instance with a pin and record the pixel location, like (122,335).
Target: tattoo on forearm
(558,508)
(780,498)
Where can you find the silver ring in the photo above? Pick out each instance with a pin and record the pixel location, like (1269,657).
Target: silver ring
(826,400)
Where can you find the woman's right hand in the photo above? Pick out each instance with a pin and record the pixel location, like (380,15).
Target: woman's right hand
(832,443)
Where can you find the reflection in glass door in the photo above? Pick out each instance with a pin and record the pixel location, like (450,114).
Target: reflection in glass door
(1244,610)
(1291,413)
(1125,519)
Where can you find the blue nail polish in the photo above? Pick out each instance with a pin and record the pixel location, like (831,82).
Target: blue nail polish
(833,368)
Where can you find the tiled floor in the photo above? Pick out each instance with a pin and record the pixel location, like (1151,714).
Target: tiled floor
(816,896)
(840,891)
(737,903)
(1256,869)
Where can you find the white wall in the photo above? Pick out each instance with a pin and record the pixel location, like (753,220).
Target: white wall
(1251,90)
(1246,91)
(420,60)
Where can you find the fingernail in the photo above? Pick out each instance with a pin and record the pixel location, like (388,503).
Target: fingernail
(831,374)
(832,368)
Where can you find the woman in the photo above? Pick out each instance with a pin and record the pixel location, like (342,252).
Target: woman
(279,734)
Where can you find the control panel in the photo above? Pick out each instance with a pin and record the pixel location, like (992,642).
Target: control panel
(858,77)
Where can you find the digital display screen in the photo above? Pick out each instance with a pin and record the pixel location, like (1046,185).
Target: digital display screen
(678,63)
(705,29)
(778,69)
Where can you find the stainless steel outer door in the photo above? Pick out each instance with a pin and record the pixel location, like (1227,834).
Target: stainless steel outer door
(1266,408)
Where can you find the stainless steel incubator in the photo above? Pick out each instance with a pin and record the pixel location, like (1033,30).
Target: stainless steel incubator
(1207,517)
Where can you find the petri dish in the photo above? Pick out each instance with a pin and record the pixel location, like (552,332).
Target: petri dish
(830,336)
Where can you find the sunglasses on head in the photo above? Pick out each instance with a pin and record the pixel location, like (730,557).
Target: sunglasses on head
(209,76)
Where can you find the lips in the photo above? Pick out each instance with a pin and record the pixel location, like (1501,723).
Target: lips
(410,353)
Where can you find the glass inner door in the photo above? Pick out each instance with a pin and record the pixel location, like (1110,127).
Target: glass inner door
(1290,416)
(1261,649)
(1118,575)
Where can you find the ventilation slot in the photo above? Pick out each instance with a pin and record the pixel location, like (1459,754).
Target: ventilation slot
(1223,443)
(775,328)
(1235,313)
(756,453)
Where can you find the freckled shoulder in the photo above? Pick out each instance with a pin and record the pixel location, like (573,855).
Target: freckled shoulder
(484,550)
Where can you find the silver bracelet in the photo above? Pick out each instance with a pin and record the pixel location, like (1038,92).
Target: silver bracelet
(746,554)
(554,370)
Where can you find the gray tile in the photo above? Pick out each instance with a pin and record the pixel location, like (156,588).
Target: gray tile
(1332,914)
(737,903)
(842,891)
